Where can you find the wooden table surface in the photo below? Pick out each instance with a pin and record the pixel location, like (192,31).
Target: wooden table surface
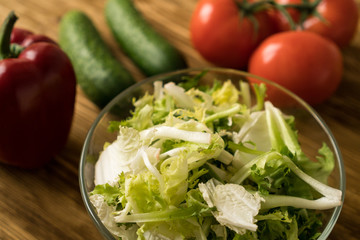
(46,203)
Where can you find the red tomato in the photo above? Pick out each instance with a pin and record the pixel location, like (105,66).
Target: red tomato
(303,62)
(222,37)
(341,19)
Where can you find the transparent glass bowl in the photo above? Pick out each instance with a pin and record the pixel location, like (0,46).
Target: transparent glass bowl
(312,132)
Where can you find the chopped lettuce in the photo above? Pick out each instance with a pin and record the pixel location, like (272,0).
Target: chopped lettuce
(208,163)
(235,207)
(227,95)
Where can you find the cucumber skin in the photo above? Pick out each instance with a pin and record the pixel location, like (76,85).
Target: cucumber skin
(99,74)
(148,50)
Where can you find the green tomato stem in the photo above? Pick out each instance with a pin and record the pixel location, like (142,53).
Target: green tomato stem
(306,9)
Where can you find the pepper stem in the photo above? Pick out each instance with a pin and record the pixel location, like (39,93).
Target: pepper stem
(5,35)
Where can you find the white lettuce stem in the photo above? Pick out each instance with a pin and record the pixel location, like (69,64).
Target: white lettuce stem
(158,90)
(245,171)
(327,191)
(228,112)
(175,133)
(245,93)
(152,169)
(172,152)
(273,201)
(225,157)
(179,95)
(330,193)
(165,215)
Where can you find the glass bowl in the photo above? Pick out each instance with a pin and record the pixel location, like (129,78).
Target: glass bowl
(312,132)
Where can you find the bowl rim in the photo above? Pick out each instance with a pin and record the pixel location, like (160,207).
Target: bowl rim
(339,159)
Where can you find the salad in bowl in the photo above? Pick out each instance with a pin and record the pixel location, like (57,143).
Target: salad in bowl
(203,154)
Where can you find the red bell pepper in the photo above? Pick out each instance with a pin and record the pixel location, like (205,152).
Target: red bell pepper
(37,97)
(25,38)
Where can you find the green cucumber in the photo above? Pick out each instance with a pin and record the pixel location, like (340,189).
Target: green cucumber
(148,50)
(99,74)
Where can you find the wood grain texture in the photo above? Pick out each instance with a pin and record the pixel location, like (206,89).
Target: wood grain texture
(46,203)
